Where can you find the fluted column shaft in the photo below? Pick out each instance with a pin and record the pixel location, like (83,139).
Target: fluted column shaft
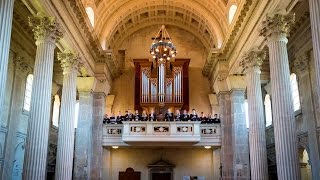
(314,6)
(69,63)
(6,13)
(257,140)
(46,34)
(276,29)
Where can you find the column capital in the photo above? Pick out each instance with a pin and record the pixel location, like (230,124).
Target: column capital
(69,61)
(278,26)
(45,29)
(301,62)
(253,60)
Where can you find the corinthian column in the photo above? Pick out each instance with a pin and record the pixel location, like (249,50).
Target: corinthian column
(314,6)
(257,140)
(46,34)
(69,63)
(6,13)
(276,30)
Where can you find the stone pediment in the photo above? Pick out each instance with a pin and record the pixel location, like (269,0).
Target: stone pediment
(161,163)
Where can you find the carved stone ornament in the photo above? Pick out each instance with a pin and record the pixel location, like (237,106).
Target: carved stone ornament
(22,66)
(277,25)
(253,59)
(69,62)
(301,62)
(45,29)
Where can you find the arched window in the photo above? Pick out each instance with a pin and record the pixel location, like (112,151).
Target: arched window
(232,12)
(90,14)
(76,114)
(268,111)
(247,112)
(56,111)
(27,94)
(295,92)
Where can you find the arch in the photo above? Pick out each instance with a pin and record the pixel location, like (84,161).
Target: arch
(90,14)
(268,110)
(111,22)
(295,92)
(27,93)
(17,165)
(232,12)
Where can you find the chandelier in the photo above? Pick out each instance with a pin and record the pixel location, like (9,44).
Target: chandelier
(162,47)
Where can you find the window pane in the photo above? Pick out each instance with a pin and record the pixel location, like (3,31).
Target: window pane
(295,92)
(268,111)
(28,93)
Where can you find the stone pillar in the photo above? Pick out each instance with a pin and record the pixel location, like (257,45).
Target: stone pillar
(109,104)
(46,33)
(216,164)
(314,6)
(82,154)
(6,14)
(214,104)
(64,162)
(99,100)
(276,29)
(301,64)
(240,142)
(257,138)
(226,135)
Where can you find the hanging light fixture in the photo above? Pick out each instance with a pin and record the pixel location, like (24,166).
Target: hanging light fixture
(162,47)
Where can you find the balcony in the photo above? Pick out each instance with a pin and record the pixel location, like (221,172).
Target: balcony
(142,133)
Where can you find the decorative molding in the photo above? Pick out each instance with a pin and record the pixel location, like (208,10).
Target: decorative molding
(22,66)
(45,29)
(277,25)
(69,61)
(253,60)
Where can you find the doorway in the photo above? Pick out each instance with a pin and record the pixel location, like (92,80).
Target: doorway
(161,176)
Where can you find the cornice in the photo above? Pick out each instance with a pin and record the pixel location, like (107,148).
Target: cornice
(92,39)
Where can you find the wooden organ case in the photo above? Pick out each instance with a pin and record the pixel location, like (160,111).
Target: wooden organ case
(161,85)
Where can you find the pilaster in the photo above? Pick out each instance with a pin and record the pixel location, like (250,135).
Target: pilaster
(46,32)
(276,29)
(301,65)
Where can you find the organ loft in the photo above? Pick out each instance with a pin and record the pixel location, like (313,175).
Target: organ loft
(160,89)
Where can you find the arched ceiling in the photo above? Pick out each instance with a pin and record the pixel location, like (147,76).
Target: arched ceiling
(206,19)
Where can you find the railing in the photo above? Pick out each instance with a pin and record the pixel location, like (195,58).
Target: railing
(166,132)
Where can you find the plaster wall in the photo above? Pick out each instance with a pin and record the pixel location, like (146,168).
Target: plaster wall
(188,161)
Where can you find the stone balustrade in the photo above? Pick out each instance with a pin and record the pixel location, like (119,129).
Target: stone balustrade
(167,133)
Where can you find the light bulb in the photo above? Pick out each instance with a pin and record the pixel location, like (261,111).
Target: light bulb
(157,50)
(164,54)
(161,59)
(152,52)
(172,52)
(153,57)
(168,58)
(165,49)
(173,55)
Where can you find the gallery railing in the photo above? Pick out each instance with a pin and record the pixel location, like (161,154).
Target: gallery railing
(166,132)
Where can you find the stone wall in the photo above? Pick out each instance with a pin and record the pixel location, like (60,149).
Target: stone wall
(188,161)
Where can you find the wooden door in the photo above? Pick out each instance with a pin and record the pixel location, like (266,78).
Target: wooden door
(129,174)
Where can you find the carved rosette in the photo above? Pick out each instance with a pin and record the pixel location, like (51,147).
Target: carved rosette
(253,60)
(301,62)
(69,62)
(277,26)
(45,29)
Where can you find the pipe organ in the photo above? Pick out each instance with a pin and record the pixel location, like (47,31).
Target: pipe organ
(161,83)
